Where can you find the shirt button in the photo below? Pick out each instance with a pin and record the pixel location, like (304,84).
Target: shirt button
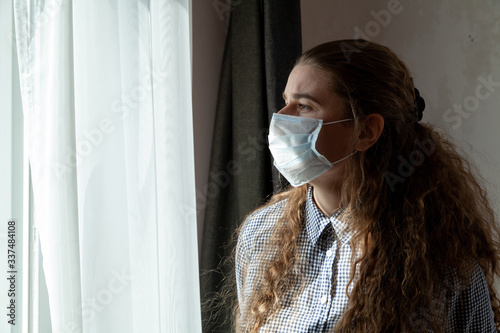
(323,299)
(329,253)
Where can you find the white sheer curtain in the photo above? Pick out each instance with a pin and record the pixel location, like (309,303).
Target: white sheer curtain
(106,91)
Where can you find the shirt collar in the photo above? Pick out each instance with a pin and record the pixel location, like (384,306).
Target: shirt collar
(316,221)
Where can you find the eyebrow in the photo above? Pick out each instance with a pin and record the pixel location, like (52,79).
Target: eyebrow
(303,95)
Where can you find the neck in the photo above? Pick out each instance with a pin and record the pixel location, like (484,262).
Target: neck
(327,200)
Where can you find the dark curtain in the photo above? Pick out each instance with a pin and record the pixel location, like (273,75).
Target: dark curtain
(263,42)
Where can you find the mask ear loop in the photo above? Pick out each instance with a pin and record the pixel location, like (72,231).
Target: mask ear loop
(344,158)
(341,121)
(338,121)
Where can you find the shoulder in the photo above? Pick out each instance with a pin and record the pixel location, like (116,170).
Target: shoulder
(253,238)
(258,226)
(470,308)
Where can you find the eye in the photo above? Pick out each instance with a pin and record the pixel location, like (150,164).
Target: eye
(303,107)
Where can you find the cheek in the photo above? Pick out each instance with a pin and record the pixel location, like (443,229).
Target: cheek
(334,145)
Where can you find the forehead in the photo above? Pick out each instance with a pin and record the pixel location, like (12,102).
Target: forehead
(308,79)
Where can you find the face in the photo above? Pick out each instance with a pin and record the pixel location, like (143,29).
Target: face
(308,93)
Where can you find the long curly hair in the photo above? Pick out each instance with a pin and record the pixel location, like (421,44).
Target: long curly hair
(419,209)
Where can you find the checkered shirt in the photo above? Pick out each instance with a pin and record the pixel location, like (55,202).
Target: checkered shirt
(325,259)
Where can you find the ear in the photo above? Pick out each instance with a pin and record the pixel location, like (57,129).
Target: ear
(370,132)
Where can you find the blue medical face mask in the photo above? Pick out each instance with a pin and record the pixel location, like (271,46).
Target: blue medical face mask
(292,141)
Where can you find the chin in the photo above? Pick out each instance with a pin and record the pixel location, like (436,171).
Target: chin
(330,179)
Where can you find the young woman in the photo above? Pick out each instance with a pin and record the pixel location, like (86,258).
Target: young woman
(385,227)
